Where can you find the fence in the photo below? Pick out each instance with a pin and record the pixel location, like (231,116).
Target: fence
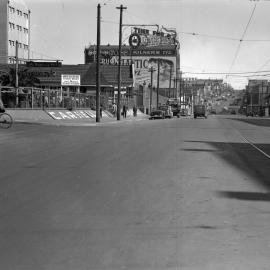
(36,98)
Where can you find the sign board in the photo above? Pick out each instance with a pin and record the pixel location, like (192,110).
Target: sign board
(70,80)
(146,38)
(43,64)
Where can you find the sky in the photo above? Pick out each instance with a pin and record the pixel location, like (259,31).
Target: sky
(218,38)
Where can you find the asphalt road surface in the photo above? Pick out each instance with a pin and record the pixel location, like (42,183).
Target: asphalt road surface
(189,194)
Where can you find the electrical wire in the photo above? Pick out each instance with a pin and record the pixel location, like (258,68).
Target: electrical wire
(242,37)
(225,73)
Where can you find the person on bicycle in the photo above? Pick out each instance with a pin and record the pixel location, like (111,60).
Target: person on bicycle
(2,107)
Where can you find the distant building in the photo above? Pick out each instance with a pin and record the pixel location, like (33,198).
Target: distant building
(14,26)
(257,97)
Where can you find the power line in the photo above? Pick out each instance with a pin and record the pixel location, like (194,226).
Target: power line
(224,37)
(226,73)
(242,37)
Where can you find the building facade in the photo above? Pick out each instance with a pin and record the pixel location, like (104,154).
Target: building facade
(257,97)
(14,27)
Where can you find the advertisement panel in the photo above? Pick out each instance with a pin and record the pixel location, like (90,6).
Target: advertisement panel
(142,59)
(70,80)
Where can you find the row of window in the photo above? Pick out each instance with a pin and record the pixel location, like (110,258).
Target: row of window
(19,28)
(19,12)
(20,45)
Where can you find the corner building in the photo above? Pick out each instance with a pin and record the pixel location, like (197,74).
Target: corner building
(14,26)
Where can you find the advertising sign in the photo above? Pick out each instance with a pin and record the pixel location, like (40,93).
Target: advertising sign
(70,80)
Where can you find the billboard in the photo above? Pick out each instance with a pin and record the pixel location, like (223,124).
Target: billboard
(143,59)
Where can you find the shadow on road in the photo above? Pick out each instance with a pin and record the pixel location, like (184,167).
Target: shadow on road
(247,196)
(254,121)
(244,157)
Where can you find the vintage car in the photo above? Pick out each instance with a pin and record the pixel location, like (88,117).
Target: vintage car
(167,110)
(157,114)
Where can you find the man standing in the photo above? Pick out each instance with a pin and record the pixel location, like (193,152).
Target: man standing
(2,107)
(125,111)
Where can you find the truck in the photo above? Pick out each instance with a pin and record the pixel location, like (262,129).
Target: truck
(200,111)
(175,105)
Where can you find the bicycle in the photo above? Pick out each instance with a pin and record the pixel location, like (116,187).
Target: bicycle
(6,120)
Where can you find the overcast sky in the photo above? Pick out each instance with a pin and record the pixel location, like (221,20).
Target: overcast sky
(62,28)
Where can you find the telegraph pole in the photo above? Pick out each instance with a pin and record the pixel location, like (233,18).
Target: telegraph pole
(98,67)
(16,74)
(170,82)
(158,82)
(119,61)
(151,89)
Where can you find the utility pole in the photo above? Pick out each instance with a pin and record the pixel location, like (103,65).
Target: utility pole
(158,82)
(170,82)
(98,67)
(119,61)
(151,89)
(16,74)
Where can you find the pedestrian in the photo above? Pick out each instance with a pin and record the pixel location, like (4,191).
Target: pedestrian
(134,111)
(125,111)
(114,107)
(2,107)
(100,111)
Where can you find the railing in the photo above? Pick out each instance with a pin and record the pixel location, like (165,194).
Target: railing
(37,98)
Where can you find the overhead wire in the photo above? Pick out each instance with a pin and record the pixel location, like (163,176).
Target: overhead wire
(242,37)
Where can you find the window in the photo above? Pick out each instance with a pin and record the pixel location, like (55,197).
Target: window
(11,9)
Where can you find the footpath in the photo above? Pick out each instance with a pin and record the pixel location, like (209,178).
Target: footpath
(69,118)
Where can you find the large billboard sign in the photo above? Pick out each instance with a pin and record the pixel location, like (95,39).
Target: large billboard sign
(142,59)
(146,49)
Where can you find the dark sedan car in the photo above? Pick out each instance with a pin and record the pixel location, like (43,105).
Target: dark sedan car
(157,114)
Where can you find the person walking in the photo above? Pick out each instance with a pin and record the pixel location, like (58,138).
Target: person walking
(134,111)
(100,111)
(124,111)
(2,107)
(114,107)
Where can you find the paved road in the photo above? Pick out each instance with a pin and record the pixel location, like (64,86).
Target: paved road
(147,195)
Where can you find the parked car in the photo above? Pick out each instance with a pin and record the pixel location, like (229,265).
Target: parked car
(157,114)
(200,111)
(167,110)
(184,112)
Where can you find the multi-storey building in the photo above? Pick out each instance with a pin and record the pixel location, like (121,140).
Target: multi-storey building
(256,98)
(14,27)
